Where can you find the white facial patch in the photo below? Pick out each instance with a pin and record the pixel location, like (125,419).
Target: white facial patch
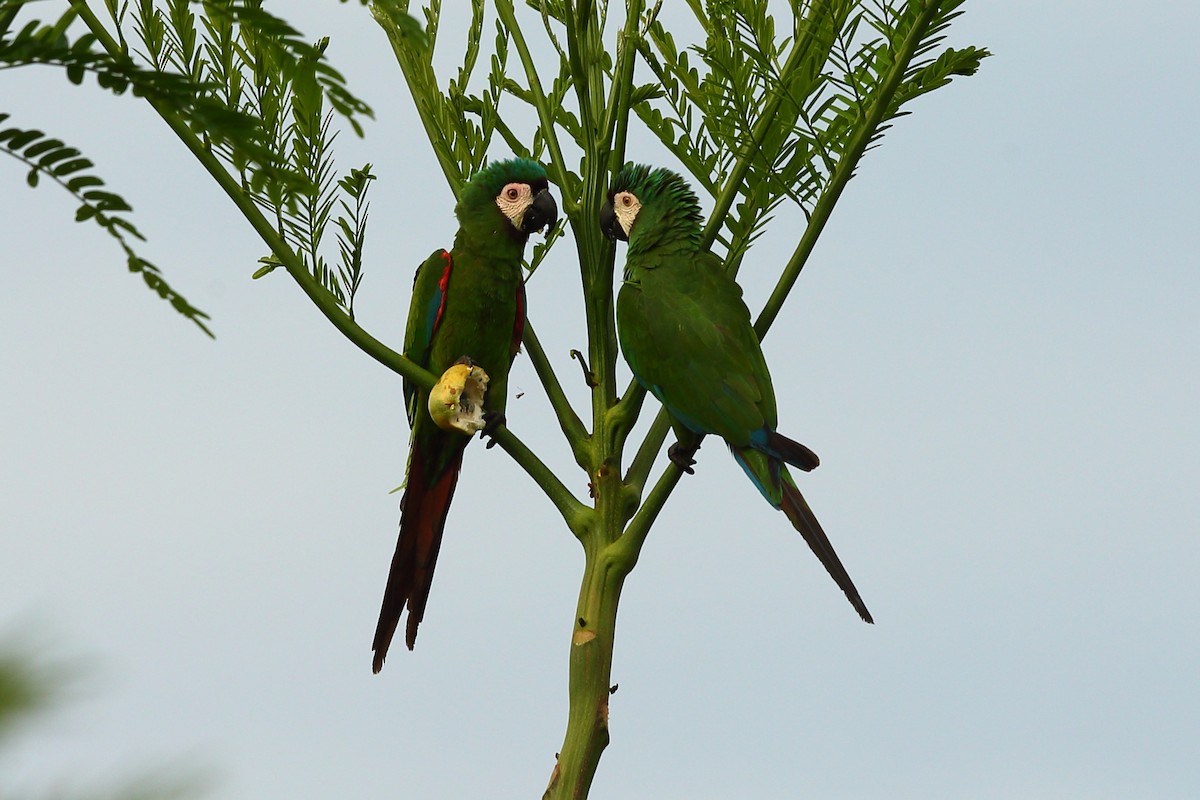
(626,206)
(514,200)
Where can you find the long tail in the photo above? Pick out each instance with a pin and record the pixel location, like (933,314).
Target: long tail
(771,478)
(423,512)
(803,520)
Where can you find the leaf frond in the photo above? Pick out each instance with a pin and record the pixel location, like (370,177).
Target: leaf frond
(52,159)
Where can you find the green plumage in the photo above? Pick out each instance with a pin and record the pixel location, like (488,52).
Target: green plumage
(468,302)
(687,336)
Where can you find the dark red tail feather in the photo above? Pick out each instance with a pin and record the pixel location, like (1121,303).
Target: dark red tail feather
(805,521)
(423,512)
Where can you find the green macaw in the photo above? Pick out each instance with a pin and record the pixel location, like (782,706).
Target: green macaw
(686,334)
(468,306)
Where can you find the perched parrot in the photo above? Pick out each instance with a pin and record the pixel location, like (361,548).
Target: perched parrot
(686,334)
(468,307)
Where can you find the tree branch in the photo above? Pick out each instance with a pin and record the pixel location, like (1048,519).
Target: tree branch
(628,547)
(568,420)
(267,232)
(574,513)
(504,8)
(421,98)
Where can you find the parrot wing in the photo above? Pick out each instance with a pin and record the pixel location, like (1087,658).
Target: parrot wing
(424,316)
(687,336)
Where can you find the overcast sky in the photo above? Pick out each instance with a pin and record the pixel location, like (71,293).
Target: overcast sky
(994,350)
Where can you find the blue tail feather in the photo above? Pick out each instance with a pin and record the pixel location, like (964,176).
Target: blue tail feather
(772,492)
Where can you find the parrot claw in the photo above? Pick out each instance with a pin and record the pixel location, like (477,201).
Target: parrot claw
(491,421)
(682,457)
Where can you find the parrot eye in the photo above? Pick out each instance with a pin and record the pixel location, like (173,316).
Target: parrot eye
(513,192)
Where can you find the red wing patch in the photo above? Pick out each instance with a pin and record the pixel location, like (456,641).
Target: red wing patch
(443,282)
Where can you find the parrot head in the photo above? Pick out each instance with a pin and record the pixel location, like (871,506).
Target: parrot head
(518,189)
(653,200)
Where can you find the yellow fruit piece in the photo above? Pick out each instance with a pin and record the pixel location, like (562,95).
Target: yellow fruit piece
(456,402)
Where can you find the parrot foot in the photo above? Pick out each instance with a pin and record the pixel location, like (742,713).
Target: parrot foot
(682,456)
(491,421)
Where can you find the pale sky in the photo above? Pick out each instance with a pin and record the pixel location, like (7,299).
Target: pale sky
(993,349)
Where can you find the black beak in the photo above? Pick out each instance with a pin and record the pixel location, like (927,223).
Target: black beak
(609,224)
(542,213)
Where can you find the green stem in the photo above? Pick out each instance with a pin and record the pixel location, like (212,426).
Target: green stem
(617,117)
(643,460)
(579,73)
(421,85)
(568,420)
(625,551)
(574,513)
(594,625)
(597,254)
(590,675)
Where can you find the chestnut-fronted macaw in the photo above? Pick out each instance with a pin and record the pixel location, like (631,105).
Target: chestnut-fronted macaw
(468,305)
(686,334)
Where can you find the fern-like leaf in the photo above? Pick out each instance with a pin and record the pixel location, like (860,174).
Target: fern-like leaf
(63,165)
(352,230)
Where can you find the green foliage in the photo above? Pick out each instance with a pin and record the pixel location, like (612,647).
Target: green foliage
(352,231)
(187,92)
(23,690)
(65,166)
(790,107)
(256,67)
(244,86)
(460,125)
